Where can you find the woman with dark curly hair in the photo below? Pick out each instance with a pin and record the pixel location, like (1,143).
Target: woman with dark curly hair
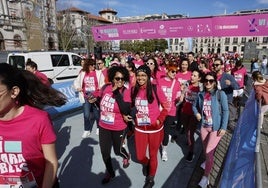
(115,99)
(27,143)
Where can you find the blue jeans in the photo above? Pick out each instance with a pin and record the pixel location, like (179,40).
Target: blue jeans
(91,114)
(263,70)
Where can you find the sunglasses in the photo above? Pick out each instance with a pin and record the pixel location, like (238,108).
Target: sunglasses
(173,71)
(216,65)
(209,80)
(149,63)
(119,78)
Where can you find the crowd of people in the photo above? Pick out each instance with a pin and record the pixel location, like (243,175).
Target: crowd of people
(148,96)
(152,96)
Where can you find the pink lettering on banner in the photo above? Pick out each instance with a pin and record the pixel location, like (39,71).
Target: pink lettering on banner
(239,25)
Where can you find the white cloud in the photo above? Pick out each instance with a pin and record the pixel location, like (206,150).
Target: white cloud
(112,4)
(219,5)
(262,1)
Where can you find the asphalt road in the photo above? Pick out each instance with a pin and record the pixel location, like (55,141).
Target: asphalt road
(81,164)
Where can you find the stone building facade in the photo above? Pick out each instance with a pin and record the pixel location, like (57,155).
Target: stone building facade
(28,25)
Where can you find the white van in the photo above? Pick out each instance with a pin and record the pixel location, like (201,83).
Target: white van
(58,66)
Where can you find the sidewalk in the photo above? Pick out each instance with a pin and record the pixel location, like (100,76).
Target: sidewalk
(81,164)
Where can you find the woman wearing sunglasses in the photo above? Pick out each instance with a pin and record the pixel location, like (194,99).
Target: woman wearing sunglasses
(115,99)
(211,110)
(172,90)
(156,73)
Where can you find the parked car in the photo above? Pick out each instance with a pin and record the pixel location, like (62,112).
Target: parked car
(57,66)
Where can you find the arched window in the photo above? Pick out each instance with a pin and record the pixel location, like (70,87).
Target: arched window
(17,41)
(2,42)
(51,44)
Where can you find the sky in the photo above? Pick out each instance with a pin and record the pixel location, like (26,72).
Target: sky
(191,8)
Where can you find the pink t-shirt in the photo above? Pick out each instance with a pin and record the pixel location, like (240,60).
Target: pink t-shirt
(190,96)
(147,113)
(171,93)
(21,142)
(239,76)
(184,77)
(159,74)
(90,83)
(43,78)
(207,112)
(138,62)
(110,115)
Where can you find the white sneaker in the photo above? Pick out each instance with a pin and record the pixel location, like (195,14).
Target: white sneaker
(203,165)
(204,182)
(164,156)
(86,134)
(169,138)
(97,131)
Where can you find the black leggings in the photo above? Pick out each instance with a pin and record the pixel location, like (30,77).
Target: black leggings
(169,129)
(109,138)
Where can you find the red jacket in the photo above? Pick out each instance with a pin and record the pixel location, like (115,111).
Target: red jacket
(262,92)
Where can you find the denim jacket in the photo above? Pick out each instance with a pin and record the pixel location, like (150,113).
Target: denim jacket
(219,105)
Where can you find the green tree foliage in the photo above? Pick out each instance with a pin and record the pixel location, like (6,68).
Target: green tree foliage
(150,45)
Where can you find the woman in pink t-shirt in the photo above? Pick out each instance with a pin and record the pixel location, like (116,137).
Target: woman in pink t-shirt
(86,84)
(114,107)
(184,74)
(171,88)
(156,73)
(149,121)
(27,137)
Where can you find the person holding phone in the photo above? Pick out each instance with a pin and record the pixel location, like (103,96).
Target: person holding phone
(86,84)
(114,99)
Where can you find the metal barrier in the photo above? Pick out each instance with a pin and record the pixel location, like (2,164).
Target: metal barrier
(258,174)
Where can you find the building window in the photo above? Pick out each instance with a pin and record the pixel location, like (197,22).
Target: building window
(176,48)
(234,49)
(235,40)
(17,41)
(265,40)
(108,17)
(227,40)
(227,48)
(255,39)
(51,43)
(2,42)
(73,19)
(170,41)
(176,41)
(243,40)
(181,48)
